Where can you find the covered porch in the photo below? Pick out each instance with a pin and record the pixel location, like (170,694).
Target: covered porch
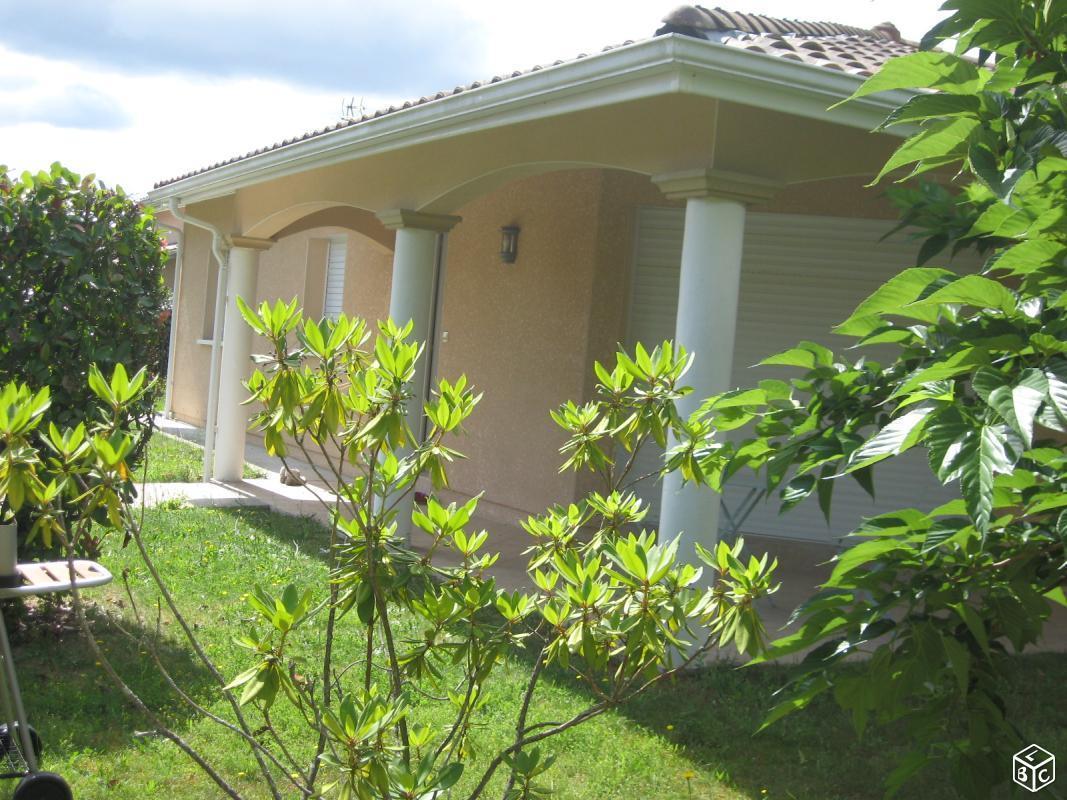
(578,157)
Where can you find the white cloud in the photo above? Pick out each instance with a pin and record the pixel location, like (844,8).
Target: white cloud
(174,123)
(71,106)
(319,43)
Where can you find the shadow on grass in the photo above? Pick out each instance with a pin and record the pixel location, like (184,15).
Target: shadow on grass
(708,716)
(711,715)
(69,698)
(305,533)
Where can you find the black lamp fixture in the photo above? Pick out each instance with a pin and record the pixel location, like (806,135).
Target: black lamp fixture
(509,243)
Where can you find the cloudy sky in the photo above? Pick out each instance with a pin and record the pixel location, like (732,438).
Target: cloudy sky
(137,91)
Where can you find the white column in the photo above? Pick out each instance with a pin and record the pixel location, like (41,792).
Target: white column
(707,320)
(413,287)
(232,419)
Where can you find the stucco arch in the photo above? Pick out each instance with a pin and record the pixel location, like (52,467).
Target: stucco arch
(461,194)
(322,214)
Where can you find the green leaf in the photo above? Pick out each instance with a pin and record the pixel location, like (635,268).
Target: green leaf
(927,70)
(1057,390)
(860,554)
(925,106)
(796,491)
(825,489)
(1048,344)
(311,335)
(960,662)
(974,624)
(1057,595)
(1027,396)
(982,455)
(1000,219)
(806,354)
(894,297)
(864,476)
(250,316)
(974,290)
(896,437)
(448,776)
(962,361)
(1017,405)
(735,399)
(941,139)
(243,678)
(1029,256)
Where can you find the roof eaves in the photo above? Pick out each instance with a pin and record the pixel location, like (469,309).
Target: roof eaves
(393,109)
(709,69)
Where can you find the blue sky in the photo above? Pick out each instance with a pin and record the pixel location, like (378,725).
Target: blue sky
(342,45)
(136,91)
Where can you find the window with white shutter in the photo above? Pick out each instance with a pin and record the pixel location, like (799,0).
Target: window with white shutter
(333,303)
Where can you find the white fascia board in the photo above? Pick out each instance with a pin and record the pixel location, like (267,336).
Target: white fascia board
(663,65)
(779,84)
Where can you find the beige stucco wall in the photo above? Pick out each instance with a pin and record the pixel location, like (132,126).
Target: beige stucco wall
(519,331)
(192,360)
(368,278)
(526,334)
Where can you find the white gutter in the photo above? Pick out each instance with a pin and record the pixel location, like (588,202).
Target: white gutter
(221,249)
(175,294)
(671,64)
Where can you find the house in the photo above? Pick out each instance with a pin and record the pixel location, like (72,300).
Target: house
(694,184)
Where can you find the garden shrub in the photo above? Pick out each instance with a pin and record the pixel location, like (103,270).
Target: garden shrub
(82,268)
(938,598)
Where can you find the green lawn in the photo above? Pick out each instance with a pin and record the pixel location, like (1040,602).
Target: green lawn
(174,460)
(700,726)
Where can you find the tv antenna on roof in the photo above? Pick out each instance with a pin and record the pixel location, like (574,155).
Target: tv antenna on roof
(351,109)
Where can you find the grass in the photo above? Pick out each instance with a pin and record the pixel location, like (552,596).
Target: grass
(690,739)
(174,460)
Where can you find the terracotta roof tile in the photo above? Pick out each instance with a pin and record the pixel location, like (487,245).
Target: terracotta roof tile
(694,20)
(828,45)
(823,44)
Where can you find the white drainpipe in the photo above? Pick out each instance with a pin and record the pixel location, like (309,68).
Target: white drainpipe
(176,291)
(221,249)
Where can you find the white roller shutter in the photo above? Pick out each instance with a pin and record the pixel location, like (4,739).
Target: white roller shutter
(333,302)
(800,276)
(653,308)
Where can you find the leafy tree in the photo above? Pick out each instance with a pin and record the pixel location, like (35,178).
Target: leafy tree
(937,598)
(82,268)
(617,609)
(611,605)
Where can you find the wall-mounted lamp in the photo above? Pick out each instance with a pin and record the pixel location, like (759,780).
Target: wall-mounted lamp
(509,243)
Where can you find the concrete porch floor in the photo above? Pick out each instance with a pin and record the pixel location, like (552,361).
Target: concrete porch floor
(802,566)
